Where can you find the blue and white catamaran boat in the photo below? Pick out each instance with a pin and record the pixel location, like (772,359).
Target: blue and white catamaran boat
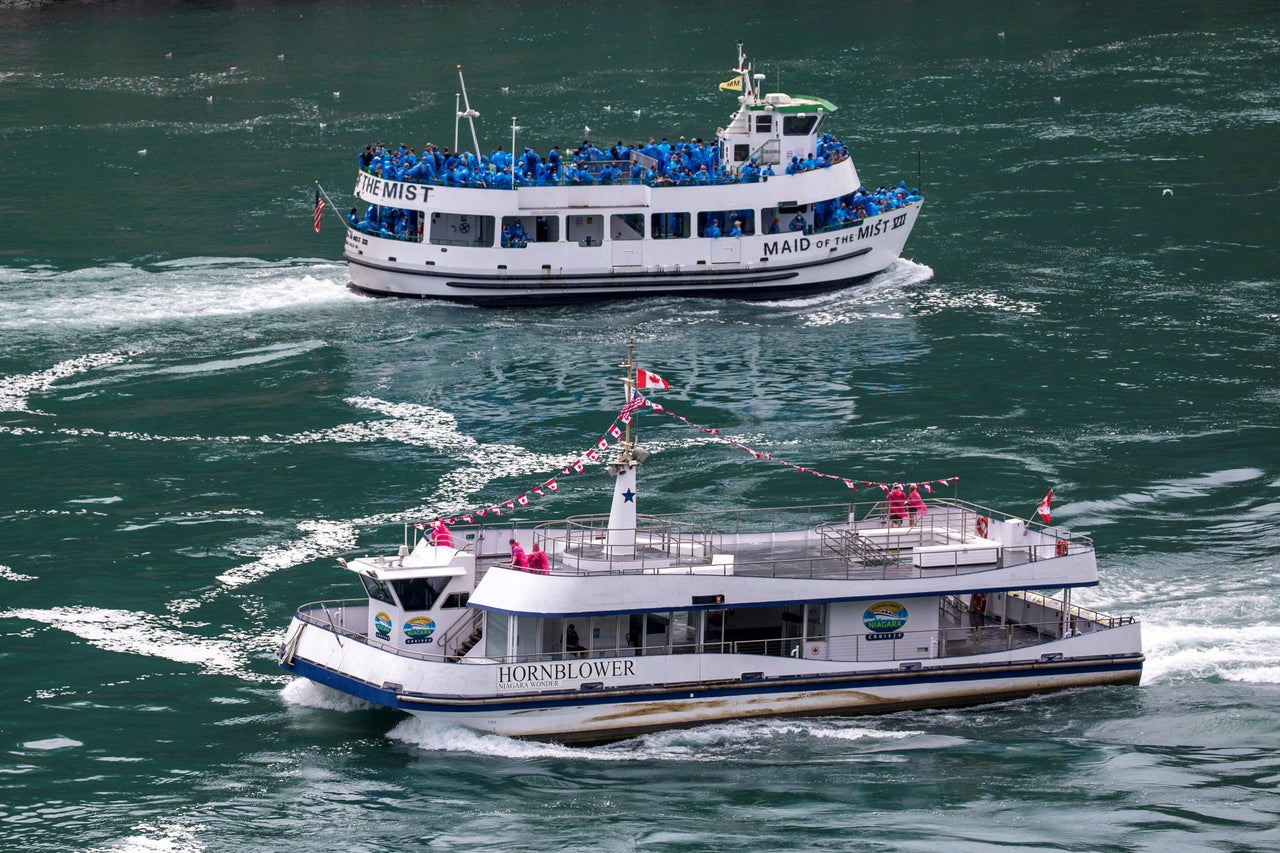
(641,622)
(772,207)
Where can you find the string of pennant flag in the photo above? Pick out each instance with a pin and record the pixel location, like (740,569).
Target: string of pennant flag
(638,404)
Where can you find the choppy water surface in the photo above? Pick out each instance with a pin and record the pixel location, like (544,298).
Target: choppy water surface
(196,416)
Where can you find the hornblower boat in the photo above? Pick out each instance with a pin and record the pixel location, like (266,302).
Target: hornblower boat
(641,623)
(505,230)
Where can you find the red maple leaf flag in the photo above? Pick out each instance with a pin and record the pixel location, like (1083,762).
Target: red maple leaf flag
(1043,509)
(645,379)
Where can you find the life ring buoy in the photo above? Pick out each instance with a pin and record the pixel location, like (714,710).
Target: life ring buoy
(1060,548)
(978,601)
(982,525)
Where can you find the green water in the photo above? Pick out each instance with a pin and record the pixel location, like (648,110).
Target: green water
(196,416)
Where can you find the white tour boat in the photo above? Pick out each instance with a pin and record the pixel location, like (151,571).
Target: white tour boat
(772,207)
(640,623)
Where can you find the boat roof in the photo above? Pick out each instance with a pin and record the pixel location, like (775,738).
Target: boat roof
(781,103)
(431,561)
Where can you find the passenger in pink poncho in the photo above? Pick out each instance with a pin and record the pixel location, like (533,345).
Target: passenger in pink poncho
(538,563)
(915,505)
(440,534)
(518,559)
(897,505)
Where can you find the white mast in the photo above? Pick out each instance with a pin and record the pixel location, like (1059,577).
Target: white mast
(622,513)
(469,114)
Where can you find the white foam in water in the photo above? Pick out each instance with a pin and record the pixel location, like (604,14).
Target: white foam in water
(9,574)
(141,633)
(304,693)
(192,289)
(169,836)
(15,390)
(1195,650)
(730,741)
(52,743)
(323,539)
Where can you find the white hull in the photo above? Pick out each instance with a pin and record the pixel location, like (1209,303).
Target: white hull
(757,266)
(686,690)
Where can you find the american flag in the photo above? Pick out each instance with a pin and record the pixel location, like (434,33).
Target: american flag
(636,402)
(319,209)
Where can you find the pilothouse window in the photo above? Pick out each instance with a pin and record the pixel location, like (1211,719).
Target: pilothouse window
(799,125)
(377,590)
(419,593)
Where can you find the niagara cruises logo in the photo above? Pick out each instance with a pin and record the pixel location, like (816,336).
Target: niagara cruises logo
(884,619)
(419,630)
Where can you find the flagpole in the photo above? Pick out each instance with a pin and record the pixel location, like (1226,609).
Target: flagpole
(332,206)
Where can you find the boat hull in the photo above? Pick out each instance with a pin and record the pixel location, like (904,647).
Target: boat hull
(596,711)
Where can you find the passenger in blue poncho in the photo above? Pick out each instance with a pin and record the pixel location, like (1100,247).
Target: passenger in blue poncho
(712,230)
(798,223)
(736,230)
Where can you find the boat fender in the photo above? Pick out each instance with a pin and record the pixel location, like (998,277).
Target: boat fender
(1060,548)
(978,601)
(982,525)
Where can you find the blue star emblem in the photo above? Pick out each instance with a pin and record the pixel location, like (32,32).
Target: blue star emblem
(628,496)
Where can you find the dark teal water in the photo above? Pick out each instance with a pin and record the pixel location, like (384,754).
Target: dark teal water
(196,417)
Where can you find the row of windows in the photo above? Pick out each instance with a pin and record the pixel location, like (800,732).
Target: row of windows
(517,232)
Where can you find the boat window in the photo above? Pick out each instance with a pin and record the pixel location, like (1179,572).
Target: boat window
(741,152)
(455,600)
(726,219)
(684,637)
(546,229)
(461,229)
(377,590)
(764,123)
(585,230)
(665,226)
(495,635)
(517,232)
(799,125)
(713,632)
(815,622)
(419,593)
(627,226)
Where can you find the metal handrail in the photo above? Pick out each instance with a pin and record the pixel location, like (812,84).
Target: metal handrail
(945,641)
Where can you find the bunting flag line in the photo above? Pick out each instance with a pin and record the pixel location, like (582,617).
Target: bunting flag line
(851,484)
(637,404)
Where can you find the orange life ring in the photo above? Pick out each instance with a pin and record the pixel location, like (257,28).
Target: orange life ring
(1060,548)
(978,601)
(982,525)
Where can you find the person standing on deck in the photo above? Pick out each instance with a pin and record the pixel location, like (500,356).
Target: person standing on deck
(897,505)
(915,505)
(440,534)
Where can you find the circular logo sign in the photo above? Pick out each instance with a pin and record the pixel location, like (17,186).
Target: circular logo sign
(419,628)
(884,616)
(382,624)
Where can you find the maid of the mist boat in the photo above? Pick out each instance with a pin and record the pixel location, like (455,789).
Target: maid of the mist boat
(771,207)
(644,622)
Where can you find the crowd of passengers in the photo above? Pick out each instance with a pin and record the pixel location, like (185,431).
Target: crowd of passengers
(686,163)
(829,215)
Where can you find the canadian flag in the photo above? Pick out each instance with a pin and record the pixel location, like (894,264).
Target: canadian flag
(1043,509)
(523,500)
(552,485)
(615,432)
(645,379)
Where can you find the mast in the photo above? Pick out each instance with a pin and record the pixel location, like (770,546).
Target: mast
(469,114)
(621,538)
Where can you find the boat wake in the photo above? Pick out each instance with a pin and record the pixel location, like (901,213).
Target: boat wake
(736,741)
(43,301)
